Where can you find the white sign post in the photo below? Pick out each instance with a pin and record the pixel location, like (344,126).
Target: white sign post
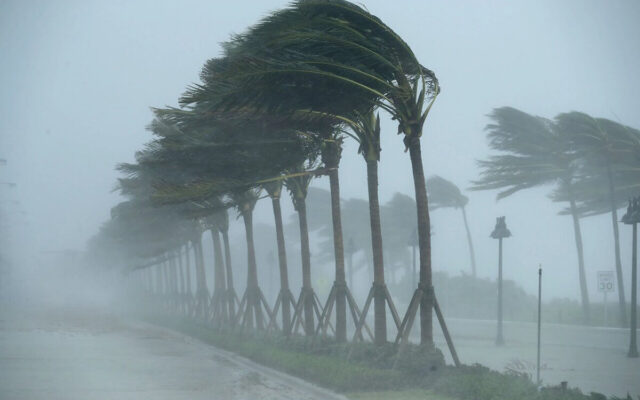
(606,284)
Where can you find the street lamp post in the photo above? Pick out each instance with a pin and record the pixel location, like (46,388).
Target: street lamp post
(500,232)
(632,217)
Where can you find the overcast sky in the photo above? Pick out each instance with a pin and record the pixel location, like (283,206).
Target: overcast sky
(77,79)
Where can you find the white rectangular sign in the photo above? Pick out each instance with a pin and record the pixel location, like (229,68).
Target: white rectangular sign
(606,281)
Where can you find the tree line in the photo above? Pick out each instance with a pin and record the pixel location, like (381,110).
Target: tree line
(271,114)
(268,116)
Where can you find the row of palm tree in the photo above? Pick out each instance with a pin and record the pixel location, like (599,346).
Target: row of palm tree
(276,105)
(591,162)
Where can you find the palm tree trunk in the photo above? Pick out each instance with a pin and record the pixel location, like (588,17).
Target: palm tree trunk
(424,242)
(253,299)
(306,267)
(202,295)
(147,279)
(471,252)
(616,238)
(284,273)
(201,275)
(586,308)
(176,282)
(218,266)
(227,259)
(218,270)
(150,280)
(165,279)
(633,345)
(187,265)
(182,301)
(338,248)
(173,273)
(158,279)
(178,254)
(380,319)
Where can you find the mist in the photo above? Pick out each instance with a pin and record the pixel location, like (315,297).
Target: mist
(81,80)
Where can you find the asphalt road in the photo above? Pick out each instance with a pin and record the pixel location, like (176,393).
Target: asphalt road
(81,355)
(591,358)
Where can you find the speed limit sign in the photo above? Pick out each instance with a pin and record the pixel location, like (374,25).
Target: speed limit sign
(606,281)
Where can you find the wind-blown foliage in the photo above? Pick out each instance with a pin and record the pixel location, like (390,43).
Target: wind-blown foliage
(608,152)
(532,152)
(328,58)
(445,194)
(300,78)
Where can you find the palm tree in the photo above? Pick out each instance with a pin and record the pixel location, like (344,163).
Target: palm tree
(605,148)
(177,255)
(253,299)
(331,151)
(202,292)
(534,152)
(298,185)
(366,130)
(445,194)
(219,307)
(188,307)
(143,231)
(367,133)
(229,157)
(320,125)
(356,222)
(232,297)
(285,298)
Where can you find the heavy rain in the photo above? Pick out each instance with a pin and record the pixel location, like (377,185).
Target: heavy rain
(319,199)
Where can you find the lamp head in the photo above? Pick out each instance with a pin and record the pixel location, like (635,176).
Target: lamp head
(500,231)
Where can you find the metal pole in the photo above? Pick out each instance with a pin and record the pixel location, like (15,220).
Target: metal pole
(539,322)
(499,337)
(633,346)
(605,307)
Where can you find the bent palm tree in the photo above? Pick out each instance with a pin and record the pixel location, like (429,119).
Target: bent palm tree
(603,145)
(285,298)
(331,152)
(445,194)
(232,298)
(253,299)
(533,153)
(367,133)
(219,307)
(298,185)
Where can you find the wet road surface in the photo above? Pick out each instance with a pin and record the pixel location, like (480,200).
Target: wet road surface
(82,355)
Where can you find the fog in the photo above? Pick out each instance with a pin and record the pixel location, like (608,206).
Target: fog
(79,79)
